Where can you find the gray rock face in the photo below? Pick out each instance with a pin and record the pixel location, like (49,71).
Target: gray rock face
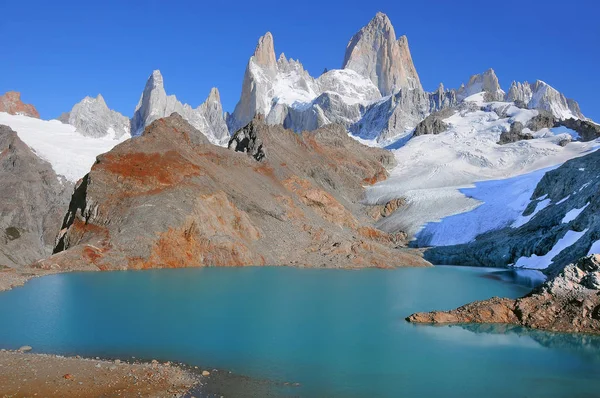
(514,134)
(375,53)
(32,203)
(574,185)
(543,120)
(93,118)
(393,117)
(433,124)
(542,96)
(155,104)
(442,99)
(486,82)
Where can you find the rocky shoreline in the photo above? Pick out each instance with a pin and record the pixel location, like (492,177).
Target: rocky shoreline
(24,374)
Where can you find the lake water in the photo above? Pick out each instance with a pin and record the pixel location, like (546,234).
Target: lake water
(340,333)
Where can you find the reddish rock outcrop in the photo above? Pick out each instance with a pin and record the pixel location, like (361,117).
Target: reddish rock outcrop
(171,199)
(569,302)
(11,103)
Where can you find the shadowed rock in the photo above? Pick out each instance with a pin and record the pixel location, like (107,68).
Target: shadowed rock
(514,134)
(32,202)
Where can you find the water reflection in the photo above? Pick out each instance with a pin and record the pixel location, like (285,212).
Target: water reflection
(524,277)
(585,345)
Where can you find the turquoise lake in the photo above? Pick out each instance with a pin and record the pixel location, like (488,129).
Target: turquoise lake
(339,333)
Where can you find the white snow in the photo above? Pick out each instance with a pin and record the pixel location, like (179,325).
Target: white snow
(573,214)
(541,262)
(595,249)
(501,202)
(522,220)
(432,169)
(563,130)
(70,153)
(563,199)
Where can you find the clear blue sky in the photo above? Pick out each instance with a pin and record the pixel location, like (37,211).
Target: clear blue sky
(57,52)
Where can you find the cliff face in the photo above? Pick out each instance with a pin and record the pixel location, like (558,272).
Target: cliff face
(32,202)
(170,199)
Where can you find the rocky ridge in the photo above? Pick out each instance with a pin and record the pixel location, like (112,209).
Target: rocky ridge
(11,103)
(197,204)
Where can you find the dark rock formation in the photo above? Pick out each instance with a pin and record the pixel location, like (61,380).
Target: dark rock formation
(543,120)
(569,302)
(514,134)
(167,199)
(433,123)
(11,103)
(587,130)
(246,140)
(32,202)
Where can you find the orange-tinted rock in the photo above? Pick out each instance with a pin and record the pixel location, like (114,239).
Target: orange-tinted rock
(11,103)
(170,199)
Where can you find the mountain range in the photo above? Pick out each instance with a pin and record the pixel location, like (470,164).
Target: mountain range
(475,175)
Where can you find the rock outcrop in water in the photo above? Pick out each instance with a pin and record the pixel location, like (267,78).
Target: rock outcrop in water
(569,302)
(11,103)
(32,203)
(170,199)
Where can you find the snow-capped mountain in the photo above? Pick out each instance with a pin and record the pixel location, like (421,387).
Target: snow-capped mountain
(155,104)
(377,95)
(540,95)
(93,118)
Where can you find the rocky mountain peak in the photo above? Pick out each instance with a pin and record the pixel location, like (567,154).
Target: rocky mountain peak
(92,118)
(264,54)
(155,104)
(486,82)
(375,53)
(11,103)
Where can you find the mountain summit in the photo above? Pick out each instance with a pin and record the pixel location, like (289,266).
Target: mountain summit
(375,53)
(155,104)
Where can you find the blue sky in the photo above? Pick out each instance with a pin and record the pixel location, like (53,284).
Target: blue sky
(55,53)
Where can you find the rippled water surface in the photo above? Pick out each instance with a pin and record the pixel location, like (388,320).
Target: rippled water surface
(336,332)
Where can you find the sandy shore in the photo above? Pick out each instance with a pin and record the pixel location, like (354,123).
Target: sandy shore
(25,374)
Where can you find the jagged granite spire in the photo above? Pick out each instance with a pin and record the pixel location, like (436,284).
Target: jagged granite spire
(486,82)
(375,53)
(155,104)
(92,118)
(540,95)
